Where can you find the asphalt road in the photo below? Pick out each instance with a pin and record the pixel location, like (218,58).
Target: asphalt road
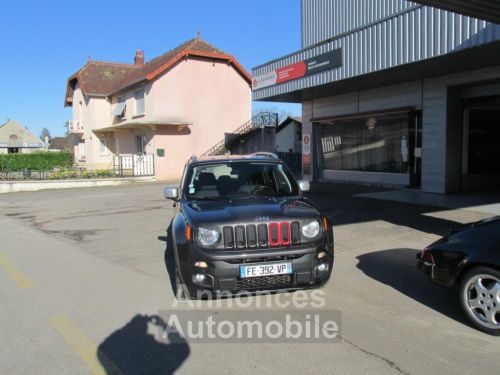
(83,270)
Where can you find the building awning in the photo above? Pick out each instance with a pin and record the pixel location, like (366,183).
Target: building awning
(468,59)
(119,108)
(144,125)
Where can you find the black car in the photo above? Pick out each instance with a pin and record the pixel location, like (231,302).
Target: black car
(243,224)
(469,258)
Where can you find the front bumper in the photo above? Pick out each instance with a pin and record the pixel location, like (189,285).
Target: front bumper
(222,274)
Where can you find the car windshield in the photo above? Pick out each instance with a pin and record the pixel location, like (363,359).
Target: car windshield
(239,179)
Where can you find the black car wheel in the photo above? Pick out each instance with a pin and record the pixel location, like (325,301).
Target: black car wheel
(480,297)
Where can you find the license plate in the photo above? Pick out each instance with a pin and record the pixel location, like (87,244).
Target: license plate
(265,269)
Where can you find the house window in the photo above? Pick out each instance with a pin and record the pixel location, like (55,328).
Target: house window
(103,146)
(81,149)
(139,102)
(119,110)
(141,143)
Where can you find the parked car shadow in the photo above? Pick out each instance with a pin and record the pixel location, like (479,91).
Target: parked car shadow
(134,349)
(169,256)
(397,269)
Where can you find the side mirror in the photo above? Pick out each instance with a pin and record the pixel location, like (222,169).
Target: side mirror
(304,185)
(171,193)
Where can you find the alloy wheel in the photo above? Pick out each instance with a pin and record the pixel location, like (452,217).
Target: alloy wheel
(481,294)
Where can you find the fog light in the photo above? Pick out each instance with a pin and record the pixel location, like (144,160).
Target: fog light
(322,255)
(201,264)
(199,278)
(323,267)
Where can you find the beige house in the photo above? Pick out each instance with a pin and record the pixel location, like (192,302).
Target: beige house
(15,138)
(150,117)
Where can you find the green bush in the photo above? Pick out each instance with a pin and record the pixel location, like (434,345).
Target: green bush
(73,173)
(38,161)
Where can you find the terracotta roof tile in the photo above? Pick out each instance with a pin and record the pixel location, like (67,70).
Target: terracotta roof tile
(105,78)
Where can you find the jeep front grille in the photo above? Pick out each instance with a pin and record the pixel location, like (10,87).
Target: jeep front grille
(263,282)
(253,236)
(262,230)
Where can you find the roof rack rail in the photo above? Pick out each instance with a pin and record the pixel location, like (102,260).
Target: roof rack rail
(265,154)
(194,157)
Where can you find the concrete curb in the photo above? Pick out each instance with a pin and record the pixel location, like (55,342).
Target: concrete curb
(18,186)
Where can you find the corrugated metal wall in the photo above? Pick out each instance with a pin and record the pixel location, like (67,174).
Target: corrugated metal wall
(413,35)
(324,19)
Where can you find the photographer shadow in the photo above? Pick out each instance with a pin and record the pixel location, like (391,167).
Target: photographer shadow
(135,349)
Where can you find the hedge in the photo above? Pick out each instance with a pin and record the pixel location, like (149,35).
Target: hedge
(38,161)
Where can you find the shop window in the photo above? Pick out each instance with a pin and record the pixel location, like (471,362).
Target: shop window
(370,144)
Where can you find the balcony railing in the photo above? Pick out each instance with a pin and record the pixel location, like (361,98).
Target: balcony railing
(258,121)
(75,126)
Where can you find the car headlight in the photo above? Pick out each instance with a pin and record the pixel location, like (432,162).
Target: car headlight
(207,237)
(311,230)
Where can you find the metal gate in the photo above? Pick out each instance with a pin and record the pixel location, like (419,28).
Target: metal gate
(134,165)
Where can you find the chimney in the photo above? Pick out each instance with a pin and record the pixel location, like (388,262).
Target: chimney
(139,58)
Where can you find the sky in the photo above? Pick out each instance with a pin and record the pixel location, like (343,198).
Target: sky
(44,42)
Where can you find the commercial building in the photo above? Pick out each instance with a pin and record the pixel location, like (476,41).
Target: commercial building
(395,92)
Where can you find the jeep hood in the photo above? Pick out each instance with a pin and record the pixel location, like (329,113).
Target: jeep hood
(248,210)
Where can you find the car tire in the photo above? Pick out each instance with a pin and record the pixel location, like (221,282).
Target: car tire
(181,293)
(480,298)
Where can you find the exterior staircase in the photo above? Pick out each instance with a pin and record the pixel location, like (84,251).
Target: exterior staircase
(259,121)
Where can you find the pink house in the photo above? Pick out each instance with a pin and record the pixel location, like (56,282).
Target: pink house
(150,117)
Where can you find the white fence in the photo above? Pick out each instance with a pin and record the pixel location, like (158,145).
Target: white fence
(135,165)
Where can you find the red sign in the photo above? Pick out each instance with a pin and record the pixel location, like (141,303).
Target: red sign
(290,72)
(326,61)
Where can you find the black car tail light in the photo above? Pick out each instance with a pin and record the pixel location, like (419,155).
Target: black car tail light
(295,233)
(262,232)
(285,233)
(240,236)
(251,236)
(427,256)
(228,237)
(274,234)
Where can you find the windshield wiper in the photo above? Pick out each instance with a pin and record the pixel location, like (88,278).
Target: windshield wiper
(207,198)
